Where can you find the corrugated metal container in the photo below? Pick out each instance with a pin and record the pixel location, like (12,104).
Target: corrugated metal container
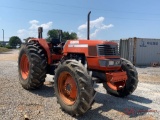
(140,51)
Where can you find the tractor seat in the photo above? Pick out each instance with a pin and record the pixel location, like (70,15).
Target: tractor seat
(55,42)
(57,49)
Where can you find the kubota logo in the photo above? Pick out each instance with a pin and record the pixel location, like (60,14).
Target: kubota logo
(142,44)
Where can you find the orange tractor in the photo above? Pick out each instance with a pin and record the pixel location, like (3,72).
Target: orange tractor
(76,65)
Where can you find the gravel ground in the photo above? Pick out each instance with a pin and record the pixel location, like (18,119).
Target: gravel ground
(15,102)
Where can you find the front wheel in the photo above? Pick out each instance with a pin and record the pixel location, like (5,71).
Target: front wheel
(128,86)
(73,87)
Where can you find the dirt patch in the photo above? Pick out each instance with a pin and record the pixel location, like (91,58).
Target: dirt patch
(149,78)
(149,74)
(11,55)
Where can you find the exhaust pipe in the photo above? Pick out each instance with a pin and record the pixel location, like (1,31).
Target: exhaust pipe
(60,35)
(88,25)
(40,30)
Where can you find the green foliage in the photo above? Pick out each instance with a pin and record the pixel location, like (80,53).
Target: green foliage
(73,35)
(1,45)
(65,36)
(14,41)
(8,46)
(54,34)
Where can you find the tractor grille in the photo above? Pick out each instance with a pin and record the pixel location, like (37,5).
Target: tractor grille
(107,50)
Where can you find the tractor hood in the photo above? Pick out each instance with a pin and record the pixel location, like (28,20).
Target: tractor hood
(90,42)
(91,47)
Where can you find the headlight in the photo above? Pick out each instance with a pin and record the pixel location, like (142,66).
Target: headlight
(108,62)
(103,63)
(118,62)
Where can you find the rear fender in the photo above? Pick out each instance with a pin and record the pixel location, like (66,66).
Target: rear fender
(45,46)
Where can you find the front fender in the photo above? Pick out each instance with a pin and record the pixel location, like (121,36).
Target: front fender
(43,43)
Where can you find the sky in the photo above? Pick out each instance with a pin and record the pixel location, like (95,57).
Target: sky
(110,19)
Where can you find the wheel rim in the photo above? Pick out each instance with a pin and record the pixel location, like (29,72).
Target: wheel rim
(24,66)
(67,88)
(116,85)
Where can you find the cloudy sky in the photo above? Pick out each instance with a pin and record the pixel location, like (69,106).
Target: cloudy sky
(110,19)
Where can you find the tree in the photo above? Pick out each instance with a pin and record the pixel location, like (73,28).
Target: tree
(14,41)
(65,36)
(73,35)
(53,34)
(1,44)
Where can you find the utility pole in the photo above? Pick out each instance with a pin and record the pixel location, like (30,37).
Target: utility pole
(3,36)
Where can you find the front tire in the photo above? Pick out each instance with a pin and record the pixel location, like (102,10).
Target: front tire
(32,65)
(131,82)
(73,87)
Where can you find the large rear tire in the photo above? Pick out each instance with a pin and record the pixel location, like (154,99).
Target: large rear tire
(130,84)
(32,65)
(73,87)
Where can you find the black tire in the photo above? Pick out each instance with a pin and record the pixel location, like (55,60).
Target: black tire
(131,82)
(37,65)
(84,85)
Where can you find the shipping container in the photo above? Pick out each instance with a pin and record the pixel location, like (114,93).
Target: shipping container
(140,51)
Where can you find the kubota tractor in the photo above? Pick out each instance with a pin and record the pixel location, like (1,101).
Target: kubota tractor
(76,65)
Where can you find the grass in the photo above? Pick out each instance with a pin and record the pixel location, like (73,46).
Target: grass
(2,49)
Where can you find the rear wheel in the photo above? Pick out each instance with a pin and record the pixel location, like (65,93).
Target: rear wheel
(73,87)
(32,65)
(24,65)
(124,88)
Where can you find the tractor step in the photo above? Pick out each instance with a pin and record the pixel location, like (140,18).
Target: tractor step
(116,76)
(51,68)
